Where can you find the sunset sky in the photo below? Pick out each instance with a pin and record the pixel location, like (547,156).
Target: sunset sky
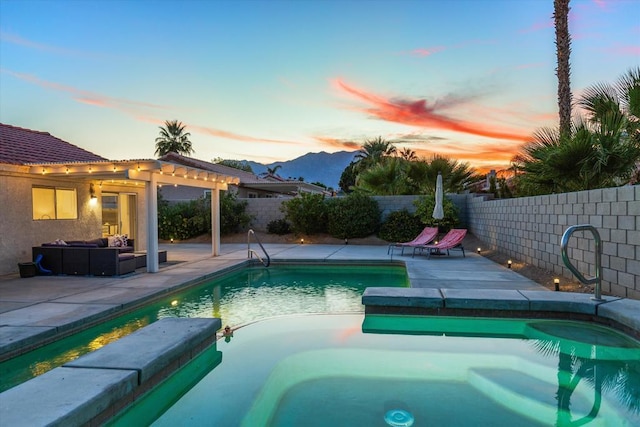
(271,80)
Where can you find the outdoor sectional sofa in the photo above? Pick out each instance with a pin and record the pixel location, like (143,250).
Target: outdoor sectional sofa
(92,257)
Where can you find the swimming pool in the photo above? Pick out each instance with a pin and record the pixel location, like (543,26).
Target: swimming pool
(361,371)
(237,298)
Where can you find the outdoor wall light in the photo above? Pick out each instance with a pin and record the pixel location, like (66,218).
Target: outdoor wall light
(509,263)
(556,283)
(93,199)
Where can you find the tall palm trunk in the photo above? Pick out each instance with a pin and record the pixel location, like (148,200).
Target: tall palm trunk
(563,52)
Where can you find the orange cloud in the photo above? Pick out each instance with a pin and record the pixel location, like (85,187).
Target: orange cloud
(419,113)
(340,144)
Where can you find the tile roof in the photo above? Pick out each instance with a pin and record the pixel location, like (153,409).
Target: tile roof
(245,177)
(22,146)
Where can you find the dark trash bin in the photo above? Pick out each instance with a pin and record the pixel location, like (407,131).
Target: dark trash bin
(27,269)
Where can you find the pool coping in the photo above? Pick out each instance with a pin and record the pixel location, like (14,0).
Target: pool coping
(98,385)
(620,313)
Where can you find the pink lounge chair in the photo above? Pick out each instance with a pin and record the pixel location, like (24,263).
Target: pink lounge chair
(426,236)
(451,240)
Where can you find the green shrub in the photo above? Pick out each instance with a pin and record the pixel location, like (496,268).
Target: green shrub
(306,213)
(356,215)
(400,226)
(233,216)
(185,220)
(279,227)
(424,210)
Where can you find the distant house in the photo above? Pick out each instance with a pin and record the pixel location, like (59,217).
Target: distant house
(51,189)
(248,185)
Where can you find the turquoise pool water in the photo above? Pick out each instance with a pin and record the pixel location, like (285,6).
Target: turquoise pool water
(240,297)
(351,370)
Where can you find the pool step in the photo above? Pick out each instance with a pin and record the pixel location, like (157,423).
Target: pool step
(530,396)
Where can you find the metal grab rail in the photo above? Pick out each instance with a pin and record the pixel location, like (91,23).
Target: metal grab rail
(565,257)
(251,252)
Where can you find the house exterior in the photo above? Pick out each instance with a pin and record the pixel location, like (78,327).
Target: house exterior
(51,189)
(249,185)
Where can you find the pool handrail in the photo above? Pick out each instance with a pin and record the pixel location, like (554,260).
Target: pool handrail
(251,252)
(597,279)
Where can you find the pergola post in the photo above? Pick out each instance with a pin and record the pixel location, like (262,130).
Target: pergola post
(152,223)
(215,221)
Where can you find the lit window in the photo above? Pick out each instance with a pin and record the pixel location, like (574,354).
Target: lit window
(54,203)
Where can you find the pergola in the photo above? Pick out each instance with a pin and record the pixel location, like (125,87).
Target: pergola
(152,174)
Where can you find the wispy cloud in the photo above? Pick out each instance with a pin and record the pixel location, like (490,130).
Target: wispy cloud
(341,144)
(420,113)
(425,51)
(538,26)
(85,96)
(206,130)
(133,108)
(57,50)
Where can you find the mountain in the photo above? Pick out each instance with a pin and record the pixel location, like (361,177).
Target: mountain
(313,167)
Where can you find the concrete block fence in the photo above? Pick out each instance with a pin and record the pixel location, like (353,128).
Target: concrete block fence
(529,229)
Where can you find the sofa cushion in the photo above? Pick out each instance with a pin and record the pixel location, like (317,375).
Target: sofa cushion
(83,245)
(100,243)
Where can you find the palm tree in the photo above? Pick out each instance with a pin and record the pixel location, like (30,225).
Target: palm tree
(373,151)
(271,171)
(601,150)
(173,138)
(386,178)
(408,154)
(563,51)
(456,176)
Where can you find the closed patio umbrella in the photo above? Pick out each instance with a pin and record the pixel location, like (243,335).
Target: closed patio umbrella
(438,211)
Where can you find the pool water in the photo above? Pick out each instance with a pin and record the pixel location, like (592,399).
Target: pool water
(237,298)
(352,370)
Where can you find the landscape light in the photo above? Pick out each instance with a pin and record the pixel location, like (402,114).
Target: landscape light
(478,250)
(556,283)
(302,241)
(509,263)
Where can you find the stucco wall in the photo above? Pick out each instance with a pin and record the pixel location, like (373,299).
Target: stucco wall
(530,229)
(20,232)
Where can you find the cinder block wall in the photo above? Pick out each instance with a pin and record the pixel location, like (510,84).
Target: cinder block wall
(530,229)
